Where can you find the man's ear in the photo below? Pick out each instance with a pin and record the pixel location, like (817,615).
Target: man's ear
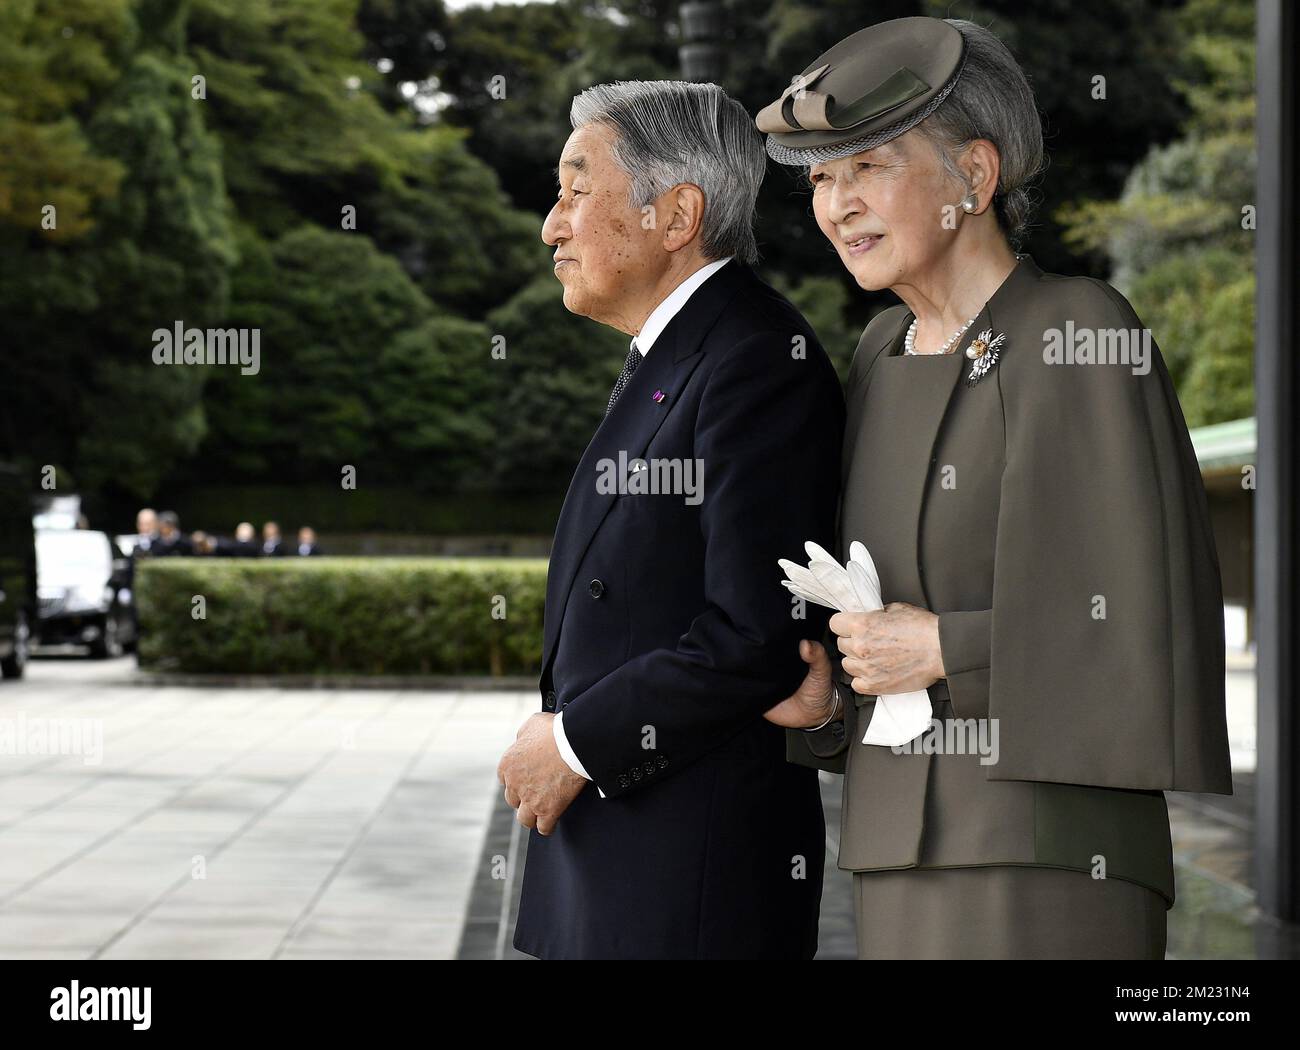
(685,214)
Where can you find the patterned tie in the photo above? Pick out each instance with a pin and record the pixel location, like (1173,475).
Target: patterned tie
(629,366)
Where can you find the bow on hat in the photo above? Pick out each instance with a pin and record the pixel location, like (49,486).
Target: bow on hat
(811,110)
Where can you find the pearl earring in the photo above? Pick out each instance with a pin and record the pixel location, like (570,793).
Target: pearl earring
(969,203)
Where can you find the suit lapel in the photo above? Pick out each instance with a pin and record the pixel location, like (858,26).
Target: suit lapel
(629,428)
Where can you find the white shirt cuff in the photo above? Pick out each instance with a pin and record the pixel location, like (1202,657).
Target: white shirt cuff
(566,752)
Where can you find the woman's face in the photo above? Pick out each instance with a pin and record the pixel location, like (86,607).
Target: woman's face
(884,210)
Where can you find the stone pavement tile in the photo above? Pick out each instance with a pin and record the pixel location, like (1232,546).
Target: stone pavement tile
(206,901)
(182,824)
(429,940)
(375,891)
(20,955)
(57,930)
(31,860)
(94,869)
(12,813)
(413,906)
(232,796)
(150,852)
(374,955)
(328,815)
(261,869)
(28,790)
(434,891)
(75,890)
(230,938)
(275,837)
(73,816)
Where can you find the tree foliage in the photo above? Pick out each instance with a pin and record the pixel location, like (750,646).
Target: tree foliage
(363,182)
(1180,236)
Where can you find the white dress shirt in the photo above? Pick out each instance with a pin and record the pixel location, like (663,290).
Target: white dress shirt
(643,341)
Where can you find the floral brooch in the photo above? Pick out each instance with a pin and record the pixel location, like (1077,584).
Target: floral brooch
(983,351)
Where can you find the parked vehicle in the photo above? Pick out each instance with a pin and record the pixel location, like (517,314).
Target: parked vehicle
(17,572)
(83,592)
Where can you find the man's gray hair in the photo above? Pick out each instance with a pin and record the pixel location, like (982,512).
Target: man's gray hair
(992,100)
(670,131)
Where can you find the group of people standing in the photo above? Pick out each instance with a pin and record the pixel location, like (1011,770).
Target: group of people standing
(160,535)
(1038,532)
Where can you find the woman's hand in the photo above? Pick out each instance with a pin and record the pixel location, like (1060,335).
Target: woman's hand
(895,650)
(811,703)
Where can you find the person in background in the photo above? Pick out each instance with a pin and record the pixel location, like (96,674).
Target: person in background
(203,544)
(244,545)
(171,541)
(307,545)
(146,529)
(272,545)
(245,542)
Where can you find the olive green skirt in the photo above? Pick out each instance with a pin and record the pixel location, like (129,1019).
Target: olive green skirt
(1005,912)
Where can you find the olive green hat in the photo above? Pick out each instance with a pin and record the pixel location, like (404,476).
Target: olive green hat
(869,88)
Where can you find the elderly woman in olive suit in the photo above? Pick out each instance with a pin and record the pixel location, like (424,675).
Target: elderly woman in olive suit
(1017,464)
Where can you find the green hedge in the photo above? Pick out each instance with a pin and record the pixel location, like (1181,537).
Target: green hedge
(342,615)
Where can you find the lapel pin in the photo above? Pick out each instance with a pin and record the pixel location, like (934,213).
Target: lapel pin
(983,351)
(658,396)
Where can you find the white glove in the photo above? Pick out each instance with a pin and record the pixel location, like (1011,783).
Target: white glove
(897,718)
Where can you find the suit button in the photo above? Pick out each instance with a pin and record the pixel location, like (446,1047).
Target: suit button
(624,782)
(596,588)
(548,703)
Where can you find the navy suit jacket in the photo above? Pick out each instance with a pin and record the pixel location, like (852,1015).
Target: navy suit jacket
(668,634)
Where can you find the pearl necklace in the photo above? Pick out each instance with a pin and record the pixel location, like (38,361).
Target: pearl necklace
(909,342)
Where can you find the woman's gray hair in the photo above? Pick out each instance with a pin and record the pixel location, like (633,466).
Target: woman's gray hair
(992,100)
(668,132)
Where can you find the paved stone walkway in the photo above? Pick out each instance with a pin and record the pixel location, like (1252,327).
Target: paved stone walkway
(251,824)
(261,823)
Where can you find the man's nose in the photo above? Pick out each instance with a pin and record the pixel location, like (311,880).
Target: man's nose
(552,228)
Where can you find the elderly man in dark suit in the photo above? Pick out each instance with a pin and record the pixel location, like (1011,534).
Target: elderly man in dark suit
(667,822)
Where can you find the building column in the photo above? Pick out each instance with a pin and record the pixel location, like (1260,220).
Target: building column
(1277,524)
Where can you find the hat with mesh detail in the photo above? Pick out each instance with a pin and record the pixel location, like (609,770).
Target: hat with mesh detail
(869,88)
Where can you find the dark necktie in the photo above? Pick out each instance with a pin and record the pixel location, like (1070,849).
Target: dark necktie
(625,376)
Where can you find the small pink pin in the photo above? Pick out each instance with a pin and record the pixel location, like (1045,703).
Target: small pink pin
(658,396)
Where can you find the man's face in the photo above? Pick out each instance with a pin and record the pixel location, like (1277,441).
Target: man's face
(608,254)
(146,523)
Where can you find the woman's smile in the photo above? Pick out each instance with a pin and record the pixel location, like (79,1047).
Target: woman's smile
(859,245)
